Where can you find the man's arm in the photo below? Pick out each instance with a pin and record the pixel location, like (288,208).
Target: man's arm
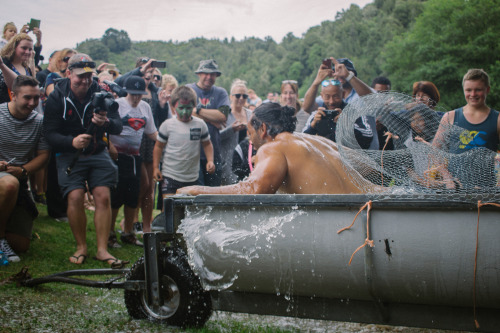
(208,148)
(157,152)
(309,104)
(359,86)
(41,159)
(267,177)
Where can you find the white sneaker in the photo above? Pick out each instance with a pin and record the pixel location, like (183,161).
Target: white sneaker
(5,248)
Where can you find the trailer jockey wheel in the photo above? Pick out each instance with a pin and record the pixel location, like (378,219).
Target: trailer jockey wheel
(186,304)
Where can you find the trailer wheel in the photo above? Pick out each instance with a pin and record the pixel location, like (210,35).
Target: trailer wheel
(186,304)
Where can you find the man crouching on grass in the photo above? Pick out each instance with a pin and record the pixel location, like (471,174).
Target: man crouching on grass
(23,150)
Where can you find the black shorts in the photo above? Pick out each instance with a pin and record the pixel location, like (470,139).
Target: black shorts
(129,182)
(170,186)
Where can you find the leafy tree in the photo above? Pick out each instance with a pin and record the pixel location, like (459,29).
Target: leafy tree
(447,38)
(95,49)
(116,41)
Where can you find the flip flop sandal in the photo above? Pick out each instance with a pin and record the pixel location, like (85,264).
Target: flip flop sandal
(113,262)
(77,258)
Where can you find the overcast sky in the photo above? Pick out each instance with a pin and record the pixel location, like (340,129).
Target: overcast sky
(64,23)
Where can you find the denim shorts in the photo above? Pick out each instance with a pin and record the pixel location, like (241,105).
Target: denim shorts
(96,170)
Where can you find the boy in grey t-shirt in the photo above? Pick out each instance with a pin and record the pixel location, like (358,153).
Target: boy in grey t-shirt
(179,139)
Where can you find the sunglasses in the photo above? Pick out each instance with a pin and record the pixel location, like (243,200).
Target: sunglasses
(147,78)
(65,59)
(157,77)
(326,83)
(238,96)
(83,64)
(144,60)
(289,81)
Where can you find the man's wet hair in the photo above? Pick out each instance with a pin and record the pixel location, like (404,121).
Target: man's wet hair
(22,81)
(277,118)
(183,92)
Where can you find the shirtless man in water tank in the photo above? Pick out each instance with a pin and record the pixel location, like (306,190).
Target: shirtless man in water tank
(287,162)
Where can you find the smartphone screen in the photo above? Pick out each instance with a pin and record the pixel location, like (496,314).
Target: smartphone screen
(159,64)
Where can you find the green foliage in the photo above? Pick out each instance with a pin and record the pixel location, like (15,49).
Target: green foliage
(116,41)
(94,48)
(447,39)
(405,40)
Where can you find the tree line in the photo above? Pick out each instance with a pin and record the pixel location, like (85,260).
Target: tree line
(405,40)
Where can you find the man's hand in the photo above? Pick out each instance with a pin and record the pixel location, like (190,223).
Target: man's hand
(100,118)
(101,67)
(157,176)
(81,141)
(146,66)
(317,117)
(38,34)
(341,71)
(15,171)
(323,72)
(210,167)
(3,166)
(164,97)
(238,126)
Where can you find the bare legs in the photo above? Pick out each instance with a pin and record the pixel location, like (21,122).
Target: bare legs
(78,222)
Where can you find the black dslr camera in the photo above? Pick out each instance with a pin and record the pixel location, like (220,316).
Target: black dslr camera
(104,101)
(326,127)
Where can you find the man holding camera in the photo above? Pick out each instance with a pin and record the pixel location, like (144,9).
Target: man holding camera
(77,117)
(323,122)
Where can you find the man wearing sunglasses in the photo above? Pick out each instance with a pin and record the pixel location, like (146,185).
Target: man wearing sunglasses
(68,115)
(324,124)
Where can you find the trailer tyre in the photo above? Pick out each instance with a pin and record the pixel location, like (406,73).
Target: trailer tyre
(186,304)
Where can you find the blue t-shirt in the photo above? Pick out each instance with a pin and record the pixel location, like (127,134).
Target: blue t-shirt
(213,98)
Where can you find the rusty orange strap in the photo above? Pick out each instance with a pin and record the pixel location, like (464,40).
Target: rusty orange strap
(479,205)
(368,241)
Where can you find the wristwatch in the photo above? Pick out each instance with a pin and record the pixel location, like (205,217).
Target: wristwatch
(24,173)
(350,76)
(198,109)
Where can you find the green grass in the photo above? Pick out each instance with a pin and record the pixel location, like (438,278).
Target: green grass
(59,307)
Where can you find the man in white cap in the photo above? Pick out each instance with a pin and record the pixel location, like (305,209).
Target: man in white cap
(76,120)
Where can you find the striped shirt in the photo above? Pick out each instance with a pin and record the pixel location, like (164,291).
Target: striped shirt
(20,139)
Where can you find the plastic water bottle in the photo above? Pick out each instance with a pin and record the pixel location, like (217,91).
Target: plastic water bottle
(3,259)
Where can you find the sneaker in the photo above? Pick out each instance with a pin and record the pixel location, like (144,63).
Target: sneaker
(113,241)
(40,198)
(130,239)
(5,248)
(137,228)
(62,219)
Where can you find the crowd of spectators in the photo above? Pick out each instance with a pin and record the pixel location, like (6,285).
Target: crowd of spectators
(111,136)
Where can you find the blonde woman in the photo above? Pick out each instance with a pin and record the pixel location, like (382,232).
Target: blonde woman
(236,129)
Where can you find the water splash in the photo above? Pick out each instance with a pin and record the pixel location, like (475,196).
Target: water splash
(213,242)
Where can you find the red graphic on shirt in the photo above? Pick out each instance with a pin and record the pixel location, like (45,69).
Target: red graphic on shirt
(70,112)
(205,101)
(136,123)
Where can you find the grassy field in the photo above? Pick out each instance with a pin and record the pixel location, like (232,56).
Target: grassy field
(58,307)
